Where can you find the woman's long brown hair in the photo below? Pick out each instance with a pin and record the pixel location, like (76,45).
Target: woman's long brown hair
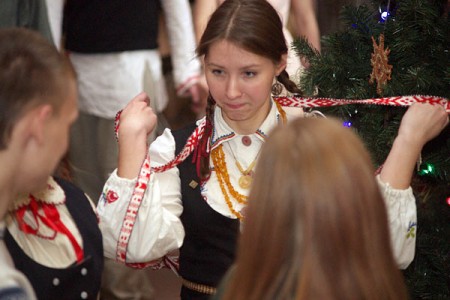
(316,225)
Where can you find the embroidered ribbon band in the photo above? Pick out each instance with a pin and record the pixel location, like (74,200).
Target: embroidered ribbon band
(391,101)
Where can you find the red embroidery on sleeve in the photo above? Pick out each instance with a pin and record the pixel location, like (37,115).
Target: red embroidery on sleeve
(111,196)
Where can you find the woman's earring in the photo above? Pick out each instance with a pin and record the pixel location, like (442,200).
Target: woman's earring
(277,88)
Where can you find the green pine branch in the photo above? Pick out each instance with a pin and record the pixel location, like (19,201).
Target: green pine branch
(418,36)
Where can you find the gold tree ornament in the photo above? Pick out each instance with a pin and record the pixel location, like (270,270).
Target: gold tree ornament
(381,70)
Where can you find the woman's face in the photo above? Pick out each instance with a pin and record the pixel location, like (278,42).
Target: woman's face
(240,82)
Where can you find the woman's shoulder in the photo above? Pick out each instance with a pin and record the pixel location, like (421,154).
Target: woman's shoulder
(185,131)
(68,186)
(182,135)
(294,112)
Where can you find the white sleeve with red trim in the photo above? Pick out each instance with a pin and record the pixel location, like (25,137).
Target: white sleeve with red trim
(186,65)
(157,228)
(402,217)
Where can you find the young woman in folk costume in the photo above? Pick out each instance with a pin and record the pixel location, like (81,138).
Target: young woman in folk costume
(198,184)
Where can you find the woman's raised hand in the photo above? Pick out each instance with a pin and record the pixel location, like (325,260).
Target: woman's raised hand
(137,118)
(422,122)
(137,121)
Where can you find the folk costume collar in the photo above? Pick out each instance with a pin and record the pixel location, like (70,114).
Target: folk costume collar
(51,194)
(223,132)
(227,189)
(39,215)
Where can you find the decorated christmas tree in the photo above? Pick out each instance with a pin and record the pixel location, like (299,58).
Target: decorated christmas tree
(389,49)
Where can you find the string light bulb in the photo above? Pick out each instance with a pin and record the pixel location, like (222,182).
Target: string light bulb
(429,169)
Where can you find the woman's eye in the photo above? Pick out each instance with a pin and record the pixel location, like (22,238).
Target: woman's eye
(249,74)
(217,72)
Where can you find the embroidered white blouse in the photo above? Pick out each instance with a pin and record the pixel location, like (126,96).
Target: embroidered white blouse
(158,229)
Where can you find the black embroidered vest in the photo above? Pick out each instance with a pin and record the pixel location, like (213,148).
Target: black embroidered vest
(209,246)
